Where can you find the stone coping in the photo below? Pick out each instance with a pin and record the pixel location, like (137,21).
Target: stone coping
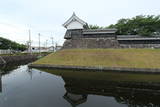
(101,69)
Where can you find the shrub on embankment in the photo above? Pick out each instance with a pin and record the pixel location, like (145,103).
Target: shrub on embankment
(130,58)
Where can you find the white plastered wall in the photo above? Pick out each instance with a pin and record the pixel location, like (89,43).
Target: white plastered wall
(75,25)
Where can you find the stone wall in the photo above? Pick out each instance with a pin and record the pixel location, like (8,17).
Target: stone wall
(2,60)
(139,43)
(106,43)
(79,38)
(90,43)
(18,58)
(10,59)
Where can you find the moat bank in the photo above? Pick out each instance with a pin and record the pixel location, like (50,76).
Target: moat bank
(98,69)
(135,60)
(6,59)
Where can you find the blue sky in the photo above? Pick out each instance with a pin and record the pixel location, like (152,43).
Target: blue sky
(47,16)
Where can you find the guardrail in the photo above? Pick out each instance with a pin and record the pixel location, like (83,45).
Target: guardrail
(5,51)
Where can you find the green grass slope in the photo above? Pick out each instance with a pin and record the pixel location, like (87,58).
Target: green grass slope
(133,58)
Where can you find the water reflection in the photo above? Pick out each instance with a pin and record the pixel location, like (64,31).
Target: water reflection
(5,69)
(75,99)
(25,87)
(0,84)
(77,91)
(136,94)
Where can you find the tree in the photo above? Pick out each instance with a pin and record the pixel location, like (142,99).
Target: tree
(139,25)
(94,27)
(8,44)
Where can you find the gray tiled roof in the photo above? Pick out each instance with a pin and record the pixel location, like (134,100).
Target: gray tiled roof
(137,37)
(99,31)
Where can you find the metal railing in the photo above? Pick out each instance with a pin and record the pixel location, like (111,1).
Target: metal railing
(5,51)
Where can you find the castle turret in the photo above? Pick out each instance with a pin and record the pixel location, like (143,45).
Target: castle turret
(74,22)
(74,26)
(79,36)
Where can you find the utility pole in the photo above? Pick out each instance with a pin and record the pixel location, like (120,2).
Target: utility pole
(46,43)
(56,46)
(52,43)
(30,47)
(39,43)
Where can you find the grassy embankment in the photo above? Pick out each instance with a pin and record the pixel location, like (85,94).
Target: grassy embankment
(132,58)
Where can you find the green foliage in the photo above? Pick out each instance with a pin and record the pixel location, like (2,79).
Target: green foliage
(95,27)
(145,32)
(86,26)
(139,25)
(8,44)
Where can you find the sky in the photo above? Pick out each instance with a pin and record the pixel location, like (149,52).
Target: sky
(47,16)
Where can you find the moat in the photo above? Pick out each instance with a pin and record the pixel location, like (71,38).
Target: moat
(24,87)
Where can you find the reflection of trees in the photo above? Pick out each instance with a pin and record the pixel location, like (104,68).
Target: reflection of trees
(131,94)
(0,83)
(5,69)
(139,98)
(8,68)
